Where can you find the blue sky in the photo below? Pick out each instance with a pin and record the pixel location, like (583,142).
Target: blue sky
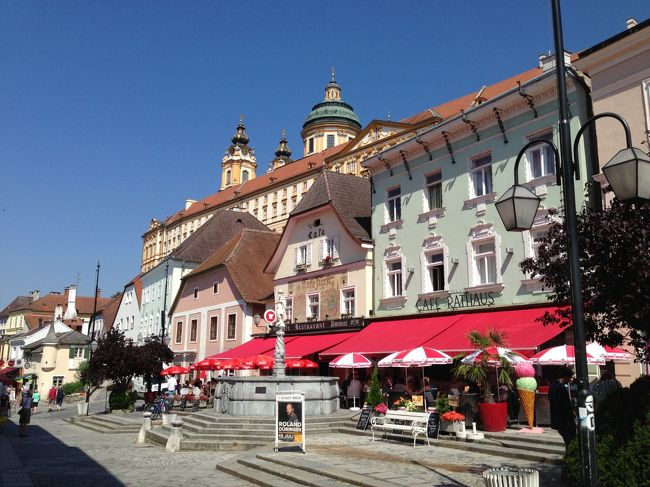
(112,113)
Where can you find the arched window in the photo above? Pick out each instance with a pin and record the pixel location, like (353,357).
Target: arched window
(228,176)
(244,176)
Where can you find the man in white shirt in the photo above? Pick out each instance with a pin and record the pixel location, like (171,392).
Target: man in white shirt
(354,390)
(171,385)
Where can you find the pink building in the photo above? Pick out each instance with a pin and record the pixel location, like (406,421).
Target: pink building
(214,308)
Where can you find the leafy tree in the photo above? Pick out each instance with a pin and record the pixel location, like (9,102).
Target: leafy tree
(115,359)
(151,357)
(615,265)
(82,376)
(374,393)
(480,370)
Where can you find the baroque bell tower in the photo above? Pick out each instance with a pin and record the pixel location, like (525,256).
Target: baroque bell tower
(239,163)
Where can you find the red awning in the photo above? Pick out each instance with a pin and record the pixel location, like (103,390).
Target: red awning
(384,337)
(522,330)
(7,370)
(303,346)
(256,346)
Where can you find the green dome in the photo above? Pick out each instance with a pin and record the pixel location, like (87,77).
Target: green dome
(332,111)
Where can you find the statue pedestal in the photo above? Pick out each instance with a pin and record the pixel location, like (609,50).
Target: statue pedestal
(255,396)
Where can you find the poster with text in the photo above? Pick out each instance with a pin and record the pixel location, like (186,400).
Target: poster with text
(290,424)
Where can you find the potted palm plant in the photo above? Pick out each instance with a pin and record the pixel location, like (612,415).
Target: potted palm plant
(489,358)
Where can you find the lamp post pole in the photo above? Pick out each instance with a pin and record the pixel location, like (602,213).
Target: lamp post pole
(586,433)
(93,343)
(163,320)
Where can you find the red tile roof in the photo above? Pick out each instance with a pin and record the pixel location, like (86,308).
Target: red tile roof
(311,163)
(453,107)
(84,304)
(109,311)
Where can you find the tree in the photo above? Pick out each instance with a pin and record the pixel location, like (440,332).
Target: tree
(115,359)
(615,265)
(374,393)
(83,376)
(152,355)
(479,371)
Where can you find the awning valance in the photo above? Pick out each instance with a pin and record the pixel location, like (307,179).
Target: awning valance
(303,346)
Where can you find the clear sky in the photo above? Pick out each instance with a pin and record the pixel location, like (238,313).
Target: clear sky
(114,112)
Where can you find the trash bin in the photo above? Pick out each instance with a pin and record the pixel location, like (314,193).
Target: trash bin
(82,408)
(511,477)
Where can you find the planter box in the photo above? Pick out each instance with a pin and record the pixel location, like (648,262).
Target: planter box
(450,426)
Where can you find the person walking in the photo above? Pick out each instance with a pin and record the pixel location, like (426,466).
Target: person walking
(562,417)
(36,397)
(59,397)
(12,399)
(51,399)
(25,413)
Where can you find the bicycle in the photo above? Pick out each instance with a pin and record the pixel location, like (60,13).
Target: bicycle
(158,407)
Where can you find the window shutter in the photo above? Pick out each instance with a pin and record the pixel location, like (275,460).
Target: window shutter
(308,254)
(71,352)
(337,241)
(297,256)
(322,247)
(86,352)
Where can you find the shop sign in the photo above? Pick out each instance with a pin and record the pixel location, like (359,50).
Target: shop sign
(456,300)
(325,325)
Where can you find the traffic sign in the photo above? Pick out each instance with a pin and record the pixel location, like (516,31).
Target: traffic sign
(270,316)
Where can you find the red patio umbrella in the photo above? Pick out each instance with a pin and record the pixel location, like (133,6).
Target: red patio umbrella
(562,355)
(209,364)
(231,364)
(174,369)
(258,362)
(302,363)
(351,361)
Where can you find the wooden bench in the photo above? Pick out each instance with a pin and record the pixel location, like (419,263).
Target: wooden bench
(402,421)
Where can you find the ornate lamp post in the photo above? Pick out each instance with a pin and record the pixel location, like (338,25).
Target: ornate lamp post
(93,342)
(628,173)
(278,366)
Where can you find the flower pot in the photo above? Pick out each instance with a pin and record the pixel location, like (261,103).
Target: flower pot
(493,416)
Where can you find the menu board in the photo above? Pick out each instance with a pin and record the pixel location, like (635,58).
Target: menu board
(290,419)
(364,419)
(433,425)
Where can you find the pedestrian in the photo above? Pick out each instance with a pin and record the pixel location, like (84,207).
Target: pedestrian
(562,417)
(4,405)
(605,386)
(59,397)
(51,399)
(12,399)
(25,413)
(36,397)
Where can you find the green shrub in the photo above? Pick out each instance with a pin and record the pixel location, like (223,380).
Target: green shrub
(622,440)
(374,393)
(442,405)
(72,387)
(123,400)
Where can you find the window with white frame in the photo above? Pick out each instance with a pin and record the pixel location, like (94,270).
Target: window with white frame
(78,352)
(540,157)
(434,271)
(313,306)
(484,262)
(536,236)
(394,278)
(433,183)
(310,145)
(214,327)
(394,204)
(288,309)
(132,322)
(303,254)
(194,326)
(179,332)
(232,327)
(57,380)
(328,250)
(481,175)
(330,140)
(348,302)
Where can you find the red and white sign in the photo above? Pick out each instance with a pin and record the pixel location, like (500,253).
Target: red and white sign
(270,316)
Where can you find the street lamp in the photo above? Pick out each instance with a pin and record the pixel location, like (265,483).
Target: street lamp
(629,173)
(93,343)
(93,346)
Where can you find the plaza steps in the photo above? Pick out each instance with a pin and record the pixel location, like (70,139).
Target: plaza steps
(545,448)
(273,470)
(218,432)
(107,424)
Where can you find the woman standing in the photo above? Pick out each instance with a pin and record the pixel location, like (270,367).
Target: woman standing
(59,397)
(25,412)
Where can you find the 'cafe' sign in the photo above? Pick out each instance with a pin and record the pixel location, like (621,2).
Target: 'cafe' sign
(454,301)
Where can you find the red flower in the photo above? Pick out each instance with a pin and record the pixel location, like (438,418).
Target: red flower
(453,416)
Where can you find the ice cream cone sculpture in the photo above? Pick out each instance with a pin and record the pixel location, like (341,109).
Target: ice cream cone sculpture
(526,386)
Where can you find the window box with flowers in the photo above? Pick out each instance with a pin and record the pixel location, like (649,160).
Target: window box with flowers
(329,260)
(300,267)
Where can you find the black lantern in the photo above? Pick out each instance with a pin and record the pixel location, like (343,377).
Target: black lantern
(517,208)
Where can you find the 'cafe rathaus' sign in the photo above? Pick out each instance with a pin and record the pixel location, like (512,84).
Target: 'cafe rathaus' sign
(455,300)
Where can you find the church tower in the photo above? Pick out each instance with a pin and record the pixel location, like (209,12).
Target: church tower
(282,153)
(330,122)
(239,162)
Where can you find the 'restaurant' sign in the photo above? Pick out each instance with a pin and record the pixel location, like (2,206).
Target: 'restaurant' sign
(456,300)
(325,325)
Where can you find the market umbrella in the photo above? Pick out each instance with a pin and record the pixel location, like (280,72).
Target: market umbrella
(258,362)
(174,369)
(608,353)
(209,364)
(300,363)
(351,361)
(421,357)
(562,355)
(231,364)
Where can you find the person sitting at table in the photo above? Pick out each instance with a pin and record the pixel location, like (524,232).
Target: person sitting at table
(354,390)
(387,384)
(411,385)
(399,386)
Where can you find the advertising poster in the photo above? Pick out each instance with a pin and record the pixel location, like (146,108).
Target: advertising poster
(289,419)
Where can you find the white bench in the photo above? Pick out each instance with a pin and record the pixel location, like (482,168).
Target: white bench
(416,423)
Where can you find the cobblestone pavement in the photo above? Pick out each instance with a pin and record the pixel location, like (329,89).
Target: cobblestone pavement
(59,453)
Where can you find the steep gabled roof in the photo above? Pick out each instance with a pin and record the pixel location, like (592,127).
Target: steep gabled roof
(84,304)
(109,311)
(19,302)
(452,108)
(244,256)
(214,233)
(310,163)
(350,197)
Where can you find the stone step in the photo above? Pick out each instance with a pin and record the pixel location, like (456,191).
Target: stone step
(318,468)
(253,475)
(520,446)
(527,438)
(103,426)
(290,472)
(221,445)
(227,429)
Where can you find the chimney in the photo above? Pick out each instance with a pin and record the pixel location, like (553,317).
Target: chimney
(66,291)
(189,202)
(71,310)
(35,295)
(631,22)
(58,312)
(547,61)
